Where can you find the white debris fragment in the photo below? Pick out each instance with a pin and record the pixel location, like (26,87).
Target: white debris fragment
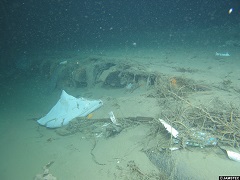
(105,124)
(174,148)
(63,62)
(113,119)
(46,175)
(233,156)
(169,128)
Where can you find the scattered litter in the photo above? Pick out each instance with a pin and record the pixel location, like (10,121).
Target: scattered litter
(174,148)
(169,128)
(63,62)
(105,124)
(68,108)
(113,119)
(99,135)
(46,175)
(195,138)
(201,139)
(129,86)
(226,54)
(233,156)
(113,128)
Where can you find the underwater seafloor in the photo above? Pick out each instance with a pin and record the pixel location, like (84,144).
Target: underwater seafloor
(186,85)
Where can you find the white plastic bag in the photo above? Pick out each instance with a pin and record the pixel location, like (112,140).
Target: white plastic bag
(68,108)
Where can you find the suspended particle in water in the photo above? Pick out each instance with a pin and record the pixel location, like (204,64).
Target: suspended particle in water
(230,10)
